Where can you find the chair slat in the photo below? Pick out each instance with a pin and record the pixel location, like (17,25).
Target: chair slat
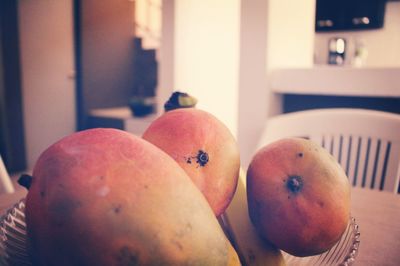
(392,172)
(361,161)
(340,149)
(6,185)
(328,142)
(385,159)
(335,146)
(352,159)
(344,153)
(370,163)
(378,165)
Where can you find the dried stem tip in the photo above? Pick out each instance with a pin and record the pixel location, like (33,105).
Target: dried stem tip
(179,100)
(25,181)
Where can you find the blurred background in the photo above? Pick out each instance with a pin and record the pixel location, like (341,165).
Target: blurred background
(68,65)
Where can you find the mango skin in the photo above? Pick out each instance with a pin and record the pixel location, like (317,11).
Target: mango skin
(106,197)
(187,132)
(306,222)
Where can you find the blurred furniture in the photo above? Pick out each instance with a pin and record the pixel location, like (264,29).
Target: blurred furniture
(120,118)
(365,142)
(349,15)
(6,185)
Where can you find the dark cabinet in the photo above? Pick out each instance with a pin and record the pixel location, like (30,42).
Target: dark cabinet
(342,15)
(12,139)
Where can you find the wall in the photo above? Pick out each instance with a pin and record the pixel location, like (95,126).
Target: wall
(290,33)
(253,96)
(274,34)
(206,55)
(47,64)
(166,71)
(148,22)
(382,44)
(106,50)
(221,53)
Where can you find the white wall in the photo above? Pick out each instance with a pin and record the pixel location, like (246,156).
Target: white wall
(290,33)
(274,34)
(206,55)
(253,95)
(383,44)
(166,65)
(148,22)
(222,51)
(48,90)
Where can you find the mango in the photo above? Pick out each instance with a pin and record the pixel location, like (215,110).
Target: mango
(204,147)
(298,196)
(106,197)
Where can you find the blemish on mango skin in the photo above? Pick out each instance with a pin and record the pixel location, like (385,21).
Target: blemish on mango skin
(251,256)
(127,256)
(184,230)
(117,209)
(61,210)
(177,244)
(201,158)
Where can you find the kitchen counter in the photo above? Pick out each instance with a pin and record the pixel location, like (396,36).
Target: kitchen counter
(337,80)
(121,118)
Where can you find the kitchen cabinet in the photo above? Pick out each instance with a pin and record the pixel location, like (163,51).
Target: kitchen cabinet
(335,15)
(332,86)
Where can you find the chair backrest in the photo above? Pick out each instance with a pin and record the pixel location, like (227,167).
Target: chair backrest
(6,185)
(365,142)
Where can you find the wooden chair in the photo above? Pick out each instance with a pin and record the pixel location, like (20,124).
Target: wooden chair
(6,185)
(365,142)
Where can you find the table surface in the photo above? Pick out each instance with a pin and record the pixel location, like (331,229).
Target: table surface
(377,213)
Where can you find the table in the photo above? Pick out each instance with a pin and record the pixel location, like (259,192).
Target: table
(8,200)
(378,215)
(376,212)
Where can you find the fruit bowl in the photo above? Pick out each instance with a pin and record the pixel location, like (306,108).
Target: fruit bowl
(14,250)
(343,253)
(13,239)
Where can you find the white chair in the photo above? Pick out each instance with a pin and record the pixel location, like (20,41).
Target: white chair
(6,185)
(365,142)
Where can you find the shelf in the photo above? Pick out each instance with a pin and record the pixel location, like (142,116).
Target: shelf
(337,81)
(116,112)
(120,117)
